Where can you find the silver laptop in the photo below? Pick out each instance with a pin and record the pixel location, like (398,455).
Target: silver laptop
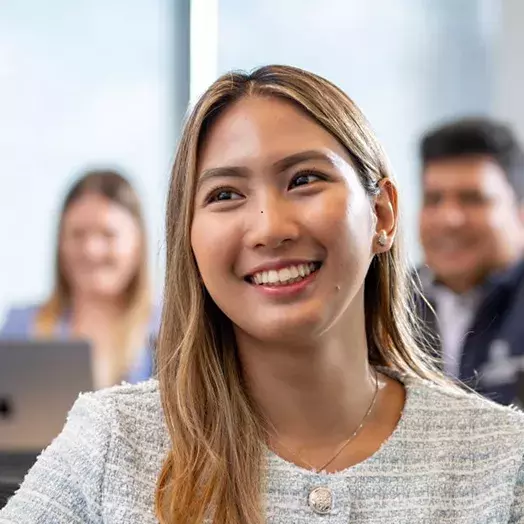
(39,382)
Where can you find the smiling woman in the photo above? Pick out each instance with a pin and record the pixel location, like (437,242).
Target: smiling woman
(293,386)
(102,289)
(289,199)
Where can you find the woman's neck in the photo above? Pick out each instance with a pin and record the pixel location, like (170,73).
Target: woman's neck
(315,394)
(97,320)
(93,306)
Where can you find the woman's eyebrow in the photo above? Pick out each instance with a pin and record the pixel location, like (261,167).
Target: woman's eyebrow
(280,165)
(221,172)
(303,156)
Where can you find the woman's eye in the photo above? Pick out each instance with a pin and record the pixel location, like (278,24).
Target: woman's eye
(110,235)
(223,195)
(303,179)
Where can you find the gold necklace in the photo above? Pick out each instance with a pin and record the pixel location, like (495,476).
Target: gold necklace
(343,446)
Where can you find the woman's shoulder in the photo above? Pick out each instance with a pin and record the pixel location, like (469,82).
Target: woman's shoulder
(19,320)
(109,454)
(126,423)
(128,405)
(461,414)
(24,309)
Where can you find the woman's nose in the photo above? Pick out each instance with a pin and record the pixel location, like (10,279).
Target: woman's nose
(273,222)
(94,247)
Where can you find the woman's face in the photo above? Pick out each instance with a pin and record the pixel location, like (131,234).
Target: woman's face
(100,247)
(283,232)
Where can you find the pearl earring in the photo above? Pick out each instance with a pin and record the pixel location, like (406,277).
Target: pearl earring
(382,238)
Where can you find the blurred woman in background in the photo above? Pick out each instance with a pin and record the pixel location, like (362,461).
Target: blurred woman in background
(102,287)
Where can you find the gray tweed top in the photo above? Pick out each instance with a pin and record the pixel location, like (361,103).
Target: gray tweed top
(453,458)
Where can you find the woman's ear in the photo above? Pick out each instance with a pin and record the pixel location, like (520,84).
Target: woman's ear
(386,212)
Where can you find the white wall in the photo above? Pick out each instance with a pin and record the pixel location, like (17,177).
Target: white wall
(509,73)
(81,83)
(407,63)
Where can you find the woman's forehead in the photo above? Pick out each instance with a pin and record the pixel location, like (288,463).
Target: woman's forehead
(262,128)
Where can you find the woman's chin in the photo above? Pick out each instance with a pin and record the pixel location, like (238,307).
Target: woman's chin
(98,291)
(286,330)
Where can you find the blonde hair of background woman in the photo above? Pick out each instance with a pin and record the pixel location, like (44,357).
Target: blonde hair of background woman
(131,332)
(214,468)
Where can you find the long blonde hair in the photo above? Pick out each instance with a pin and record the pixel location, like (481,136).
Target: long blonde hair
(130,333)
(215,466)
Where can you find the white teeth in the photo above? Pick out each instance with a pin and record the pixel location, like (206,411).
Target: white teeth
(272,276)
(285,275)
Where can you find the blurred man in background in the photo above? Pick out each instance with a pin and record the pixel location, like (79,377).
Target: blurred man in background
(472,234)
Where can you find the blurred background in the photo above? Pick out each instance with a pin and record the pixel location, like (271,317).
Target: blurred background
(93,94)
(107,83)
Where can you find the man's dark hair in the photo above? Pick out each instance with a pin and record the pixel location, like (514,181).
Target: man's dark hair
(477,137)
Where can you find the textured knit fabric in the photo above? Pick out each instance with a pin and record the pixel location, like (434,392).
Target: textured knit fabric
(452,459)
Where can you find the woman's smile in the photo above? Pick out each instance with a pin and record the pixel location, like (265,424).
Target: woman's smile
(284,278)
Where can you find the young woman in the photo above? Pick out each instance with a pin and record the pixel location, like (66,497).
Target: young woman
(102,285)
(292,388)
